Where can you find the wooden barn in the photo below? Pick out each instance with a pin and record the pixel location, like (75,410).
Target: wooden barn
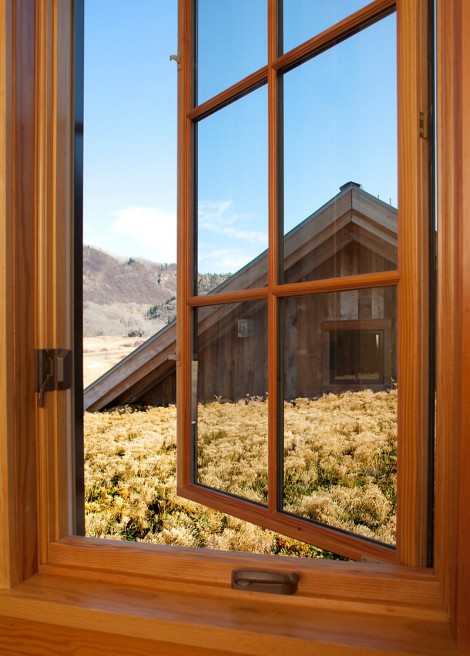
(332,341)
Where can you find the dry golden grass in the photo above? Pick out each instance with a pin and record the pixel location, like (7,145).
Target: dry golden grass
(103,352)
(340,468)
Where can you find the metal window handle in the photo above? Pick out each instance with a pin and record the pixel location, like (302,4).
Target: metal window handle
(46,386)
(264,581)
(54,371)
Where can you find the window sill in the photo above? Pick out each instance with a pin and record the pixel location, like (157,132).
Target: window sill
(88,612)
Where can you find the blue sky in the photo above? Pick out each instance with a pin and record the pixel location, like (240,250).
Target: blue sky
(339,111)
(130,127)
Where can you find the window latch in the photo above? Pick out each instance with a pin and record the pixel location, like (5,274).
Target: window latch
(54,371)
(263,581)
(177,59)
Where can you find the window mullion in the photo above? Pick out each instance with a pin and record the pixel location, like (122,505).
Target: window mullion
(336,33)
(274,147)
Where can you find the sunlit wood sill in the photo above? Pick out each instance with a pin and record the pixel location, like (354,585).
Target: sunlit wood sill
(224,622)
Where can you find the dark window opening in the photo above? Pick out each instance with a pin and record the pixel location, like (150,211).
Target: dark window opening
(356,356)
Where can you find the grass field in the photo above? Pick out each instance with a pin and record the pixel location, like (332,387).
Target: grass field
(339,460)
(103,352)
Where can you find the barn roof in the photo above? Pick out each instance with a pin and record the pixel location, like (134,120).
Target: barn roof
(352,215)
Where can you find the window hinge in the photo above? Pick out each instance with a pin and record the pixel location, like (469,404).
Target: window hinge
(177,59)
(262,581)
(423,125)
(54,371)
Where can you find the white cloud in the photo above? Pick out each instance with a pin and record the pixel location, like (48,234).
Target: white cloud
(225,260)
(146,231)
(92,236)
(226,242)
(218,218)
(213,213)
(248,235)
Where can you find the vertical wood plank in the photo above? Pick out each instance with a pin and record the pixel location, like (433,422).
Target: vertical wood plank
(54,115)
(7,519)
(23,253)
(318,308)
(449,283)
(463,586)
(184,239)
(62,202)
(45,249)
(452,514)
(413,302)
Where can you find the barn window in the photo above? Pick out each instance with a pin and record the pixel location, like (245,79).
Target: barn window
(356,357)
(360,353)
(291,181)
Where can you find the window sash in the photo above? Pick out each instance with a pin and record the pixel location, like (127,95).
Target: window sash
(411,280)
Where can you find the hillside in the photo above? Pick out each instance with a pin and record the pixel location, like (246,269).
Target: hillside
(108,279)
(124,296)
(119,291)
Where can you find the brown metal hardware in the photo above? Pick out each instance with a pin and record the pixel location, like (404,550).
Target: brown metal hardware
(54,371)
(264,581)
(177,59)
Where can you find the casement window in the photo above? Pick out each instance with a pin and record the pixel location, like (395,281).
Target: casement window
(273,111)
(90,595)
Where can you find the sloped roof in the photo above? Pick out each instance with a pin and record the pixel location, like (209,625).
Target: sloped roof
(353,215)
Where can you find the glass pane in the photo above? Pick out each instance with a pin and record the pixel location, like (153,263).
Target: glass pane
(340,126)
(340,410)
(230,408)
(231,43)
(303,19)
(232,179)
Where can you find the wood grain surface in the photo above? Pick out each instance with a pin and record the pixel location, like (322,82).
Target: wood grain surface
(86,600)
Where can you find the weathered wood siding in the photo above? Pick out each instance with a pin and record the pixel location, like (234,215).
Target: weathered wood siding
(354,233)
(230,348)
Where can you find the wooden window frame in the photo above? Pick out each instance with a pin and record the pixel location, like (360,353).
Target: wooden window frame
(99,596)
(410,279)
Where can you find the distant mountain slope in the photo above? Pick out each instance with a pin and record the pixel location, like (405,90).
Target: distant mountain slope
(108,279)
(126,295)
